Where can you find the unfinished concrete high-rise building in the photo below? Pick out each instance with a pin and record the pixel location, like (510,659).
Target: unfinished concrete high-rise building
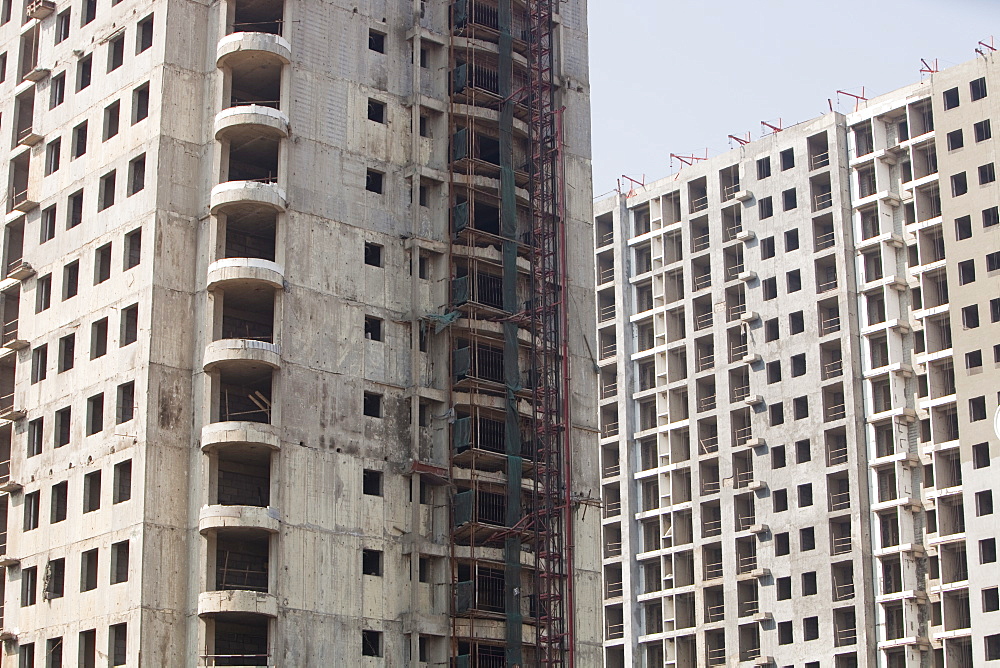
(798,360)
(289,329)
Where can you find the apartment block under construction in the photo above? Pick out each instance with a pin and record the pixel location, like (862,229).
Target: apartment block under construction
(799,365)
(296,368)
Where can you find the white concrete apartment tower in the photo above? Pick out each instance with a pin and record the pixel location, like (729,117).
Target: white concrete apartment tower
(289,329)
(799,358)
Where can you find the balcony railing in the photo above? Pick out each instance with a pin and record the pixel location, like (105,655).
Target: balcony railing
(616,630)
(609,390)
(746,563)
(715,656)
(711,486)
(711,528)
(825,240)
(829,325)
(822,201)
(609,350)
(715,613)
(729,192)
(741,392)
(742,435)
(701,281)
(703,321)
(708,445)
(713,570)
(706,403)
(842,544)
(843,591)
(735,311)
(840,501)
(833,369)
(818,160)
(610,429)
(835,412)
(613,549)
(606,275)
(842,637)
(606,312)
(612,508)
(611,470)
(744,522)
(733,272)
(605,239)
(836,455)
(699,203)
(744,478)
(827,285)
(614,590)
(700,242)
(705,361)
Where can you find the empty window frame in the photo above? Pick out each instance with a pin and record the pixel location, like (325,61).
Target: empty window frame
(144,34)
(140,103)
(129,332)
(977,89)
(376,41)
(106,195)
(71,280)
(132,253)
(122,490)
(64,425)
(60,498)
(99,338)
(374,181)
(111,118)
(43,293)
(119,562)
(125,402)
(79,140)
(951,98)
(136,175)
(371,482)
(84,70)
(39,363)
(376,110)
(92,491)
(763,168)
(67,353)
(102,264)
(95,414)
(982,130)
(57,90)
(116,52)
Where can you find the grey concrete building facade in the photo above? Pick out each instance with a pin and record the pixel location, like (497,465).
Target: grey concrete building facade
(231,403)
(794,471)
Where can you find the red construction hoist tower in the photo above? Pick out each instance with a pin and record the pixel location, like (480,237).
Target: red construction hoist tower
(551,518)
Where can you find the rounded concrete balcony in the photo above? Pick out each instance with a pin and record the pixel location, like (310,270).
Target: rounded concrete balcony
(246,435)
(246,354)
(237,601)
(238,518)
(244,46)
(250,120)
(233,196)
(250,271)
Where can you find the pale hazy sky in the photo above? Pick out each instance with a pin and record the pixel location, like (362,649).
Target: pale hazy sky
(678,76)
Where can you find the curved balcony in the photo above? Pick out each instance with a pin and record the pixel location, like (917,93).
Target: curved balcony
(233,197)
(247,354)
(240,435)
(245,271)
(251,120)
(238,518)
(228,602)
(241,47)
